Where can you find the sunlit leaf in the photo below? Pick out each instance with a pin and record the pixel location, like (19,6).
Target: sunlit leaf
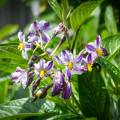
(110,20)
(8,30)
(81,13)
(112,70)
(112,45)
(94,99)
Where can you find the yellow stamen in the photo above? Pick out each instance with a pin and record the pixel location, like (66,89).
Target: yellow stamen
(38,93)
(21,46)
(42,73)
(99,51)
(89,66)
(70,65)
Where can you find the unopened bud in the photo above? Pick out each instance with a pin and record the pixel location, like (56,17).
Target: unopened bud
(63,37)
(30,63)
(34,85)
(41,93)
(34,57)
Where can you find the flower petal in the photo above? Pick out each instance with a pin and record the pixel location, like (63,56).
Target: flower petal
(34,39)
(49,66)
(58,79)
(79,59)
(67,91)
(89,58)
(28,46)
(55,91)
(98,41)
(59,61)
(24,54)
(45,37)
(90,47)
(44,25)
(48,50)
(65,55)
(34,26)
(21,36)
(104,51)
(42,63)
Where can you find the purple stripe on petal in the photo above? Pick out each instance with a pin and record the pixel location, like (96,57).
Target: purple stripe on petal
(69,74)
(84,61)
(79,59)
(98,41)
(90,48)
(55,91)
(31,34)
(42,61)
(36,24)
(59,61)
(89,58)
(105,53)
(65,56)
(49,66)
(33,39)
(46,26)
(67,91)
(45,37)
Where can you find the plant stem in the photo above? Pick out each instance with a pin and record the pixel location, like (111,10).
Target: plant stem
(75,38)
(68,40)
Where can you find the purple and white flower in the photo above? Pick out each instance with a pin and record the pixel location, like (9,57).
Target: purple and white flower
(37,32)
(96,47)
(21,76)
(88,62)
(72,62)
(62,84)
(23,46)
(42,69)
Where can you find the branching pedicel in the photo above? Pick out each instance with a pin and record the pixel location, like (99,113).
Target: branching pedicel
(74,64)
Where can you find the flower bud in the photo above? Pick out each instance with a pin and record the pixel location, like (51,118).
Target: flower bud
(41,93)
(63,38)
(34,57)
(30,63)
(34,85)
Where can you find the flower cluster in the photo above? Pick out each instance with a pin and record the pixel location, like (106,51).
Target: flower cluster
(73,64)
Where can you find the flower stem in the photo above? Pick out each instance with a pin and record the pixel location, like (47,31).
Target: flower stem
(68,40)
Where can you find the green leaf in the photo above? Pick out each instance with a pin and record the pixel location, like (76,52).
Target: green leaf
(65,9)
(3,91)
(112,70)
(81,13)
(94,99)
(23,107)
(8,30)
(10,67)
(110,20)
(112,45)
(10,51)
(2,2)
(55,6)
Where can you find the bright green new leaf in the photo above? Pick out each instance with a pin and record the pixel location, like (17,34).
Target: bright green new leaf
(110,20)
(81,13)
(55,6)
(3,91)
(8,30)
(112,45)
(65,9)
(94,99)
